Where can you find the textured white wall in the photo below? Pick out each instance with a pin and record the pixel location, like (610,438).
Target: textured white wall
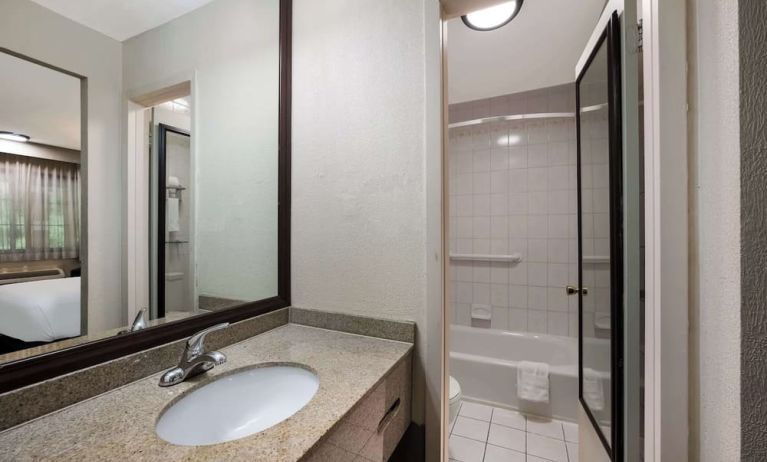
(358,163)
(714,231)
(365,236)
(32,30)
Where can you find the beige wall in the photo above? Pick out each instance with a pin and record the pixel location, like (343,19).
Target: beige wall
(40,151)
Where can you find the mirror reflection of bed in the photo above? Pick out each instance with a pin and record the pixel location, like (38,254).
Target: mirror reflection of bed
(40,216)
(37,307)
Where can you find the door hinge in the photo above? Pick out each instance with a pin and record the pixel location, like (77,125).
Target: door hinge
(639,36)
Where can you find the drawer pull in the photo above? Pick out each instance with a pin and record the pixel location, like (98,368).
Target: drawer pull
(388,416)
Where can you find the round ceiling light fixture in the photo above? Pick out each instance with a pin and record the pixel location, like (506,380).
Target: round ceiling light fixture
(11,136)
(494,17)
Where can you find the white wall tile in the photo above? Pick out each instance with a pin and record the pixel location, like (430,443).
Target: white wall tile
(537,250)
(499,273)
(499,159)
(481,272)
(537,155)
(499,246)
(481,226)
(513,190)
(518,320)
(499,181)
(558,250)
(480,182)
(518,274)
(517,180)
(517,157)
(537,298)
(558,275)
(518,203)
(481,205)
(518,225)
(499,295)
(500,318)
(537,179)
(537,274)
(481,293)
(557,299)
(518,296)
(538,203)
(499,206)
(537,226)
(536,321)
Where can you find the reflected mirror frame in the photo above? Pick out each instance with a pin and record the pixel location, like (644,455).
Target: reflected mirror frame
(23,372)
(611,38)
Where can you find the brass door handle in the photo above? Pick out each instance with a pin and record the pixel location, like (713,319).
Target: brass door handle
(572,290)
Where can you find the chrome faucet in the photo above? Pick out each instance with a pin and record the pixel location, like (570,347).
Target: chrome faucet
(195,360)
(139,323)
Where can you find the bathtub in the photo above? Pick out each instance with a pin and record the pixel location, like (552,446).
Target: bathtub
(484,361)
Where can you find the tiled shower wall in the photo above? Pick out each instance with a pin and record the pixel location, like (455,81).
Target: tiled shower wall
(513,191)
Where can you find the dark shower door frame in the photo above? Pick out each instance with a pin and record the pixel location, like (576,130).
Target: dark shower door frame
(162,195)
(610,38)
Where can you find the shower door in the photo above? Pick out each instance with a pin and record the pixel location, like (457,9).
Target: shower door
(609,267)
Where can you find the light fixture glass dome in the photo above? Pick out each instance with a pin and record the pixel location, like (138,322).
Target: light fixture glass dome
(494,17)
(14,137)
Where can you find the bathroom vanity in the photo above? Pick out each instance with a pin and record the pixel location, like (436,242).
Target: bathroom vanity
(359,412)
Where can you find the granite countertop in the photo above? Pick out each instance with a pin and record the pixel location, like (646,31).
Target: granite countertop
(119,425)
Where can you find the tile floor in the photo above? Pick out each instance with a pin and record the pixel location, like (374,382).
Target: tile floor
(489,434)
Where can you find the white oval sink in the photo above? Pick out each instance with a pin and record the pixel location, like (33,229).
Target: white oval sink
(237,405)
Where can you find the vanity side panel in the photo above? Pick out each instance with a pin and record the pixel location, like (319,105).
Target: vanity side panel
(356,438)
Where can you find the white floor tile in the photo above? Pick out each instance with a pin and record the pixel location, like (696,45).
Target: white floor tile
(476,411)
(509,438)
(466,450)
(572,452)
(546,448)
(571,432)
(550,428)
(508,418)
(533,459)
(471,428)
(499,454)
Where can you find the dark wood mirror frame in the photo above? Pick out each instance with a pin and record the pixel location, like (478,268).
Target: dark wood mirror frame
(23,372)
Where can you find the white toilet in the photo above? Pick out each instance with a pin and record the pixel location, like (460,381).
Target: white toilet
(455,398)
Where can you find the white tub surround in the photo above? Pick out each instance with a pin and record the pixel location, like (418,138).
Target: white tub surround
(485,363)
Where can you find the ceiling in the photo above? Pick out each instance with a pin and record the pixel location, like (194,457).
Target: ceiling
(39,102)
(122,19)
(539,48)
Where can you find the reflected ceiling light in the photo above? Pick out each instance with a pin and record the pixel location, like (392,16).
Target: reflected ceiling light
(10,136)
(494,17)
(508,140)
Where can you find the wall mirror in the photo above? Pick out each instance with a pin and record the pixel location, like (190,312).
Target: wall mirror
(144,175)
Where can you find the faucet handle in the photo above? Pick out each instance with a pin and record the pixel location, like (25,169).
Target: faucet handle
(195,344)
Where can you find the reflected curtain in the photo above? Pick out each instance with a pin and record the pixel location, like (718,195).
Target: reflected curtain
(39,209)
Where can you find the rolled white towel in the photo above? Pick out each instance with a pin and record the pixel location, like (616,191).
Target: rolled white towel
(173,182)
(533,381)
(172,215)
(593,393)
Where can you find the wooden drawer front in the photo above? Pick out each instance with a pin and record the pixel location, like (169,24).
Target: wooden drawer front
(371,431)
